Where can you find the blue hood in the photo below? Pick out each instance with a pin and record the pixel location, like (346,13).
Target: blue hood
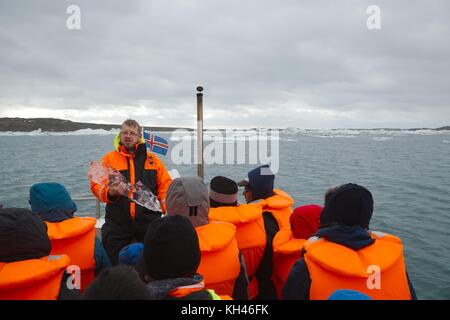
(261,181)
(352,237)
(52,201)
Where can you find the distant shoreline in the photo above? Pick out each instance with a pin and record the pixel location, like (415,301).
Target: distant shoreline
(60,125)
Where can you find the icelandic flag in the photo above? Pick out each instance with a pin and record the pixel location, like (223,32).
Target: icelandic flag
(155,143)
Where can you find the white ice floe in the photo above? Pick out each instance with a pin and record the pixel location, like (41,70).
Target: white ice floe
(381,139)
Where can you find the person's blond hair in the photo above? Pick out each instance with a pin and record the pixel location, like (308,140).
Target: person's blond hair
(131,123)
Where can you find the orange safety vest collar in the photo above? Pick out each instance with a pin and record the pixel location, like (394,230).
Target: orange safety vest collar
(377,270)
(183,291)
(248,221)
(242,213)
(280,205)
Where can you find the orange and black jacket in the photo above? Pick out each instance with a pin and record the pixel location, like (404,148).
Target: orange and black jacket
(122,215)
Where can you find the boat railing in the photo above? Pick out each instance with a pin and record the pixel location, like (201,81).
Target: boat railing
(90,198)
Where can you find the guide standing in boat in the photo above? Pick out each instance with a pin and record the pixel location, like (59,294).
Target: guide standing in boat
(125,221)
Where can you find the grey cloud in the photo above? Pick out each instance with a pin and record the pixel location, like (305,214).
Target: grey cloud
(266,55)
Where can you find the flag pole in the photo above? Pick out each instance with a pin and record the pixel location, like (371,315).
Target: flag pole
(200,168)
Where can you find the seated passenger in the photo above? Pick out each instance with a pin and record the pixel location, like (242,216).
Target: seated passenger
(73,236)
(346,254)
(259,188)
(170,261)
(250,232)
(305,221)
(288,242)
(221,263)
(277,208)
(27,270)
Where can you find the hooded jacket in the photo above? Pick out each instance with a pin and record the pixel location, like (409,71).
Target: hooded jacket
(342,248)
(221,264)
(74,236)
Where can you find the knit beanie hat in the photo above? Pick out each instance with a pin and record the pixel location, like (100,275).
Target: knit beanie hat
(260,181)
(222,192)
(171,248)
(51,201)
(350,205)
(305,221)
(188,196)
(23,235)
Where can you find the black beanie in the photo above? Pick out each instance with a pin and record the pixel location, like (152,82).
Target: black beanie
(171,248)
(23,235)
(350,205)
(222,192)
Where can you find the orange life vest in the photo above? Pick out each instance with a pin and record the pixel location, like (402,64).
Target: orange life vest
(75,237)
(286,251)
(250,236)
(219,262)
(280,205)
(377,270)
(34,279)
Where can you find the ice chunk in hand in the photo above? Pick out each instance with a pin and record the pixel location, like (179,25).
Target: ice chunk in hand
(98,172)
(104,175)
(144,197)
(139,193)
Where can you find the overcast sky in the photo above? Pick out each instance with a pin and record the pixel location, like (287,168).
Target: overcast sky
(279,63)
